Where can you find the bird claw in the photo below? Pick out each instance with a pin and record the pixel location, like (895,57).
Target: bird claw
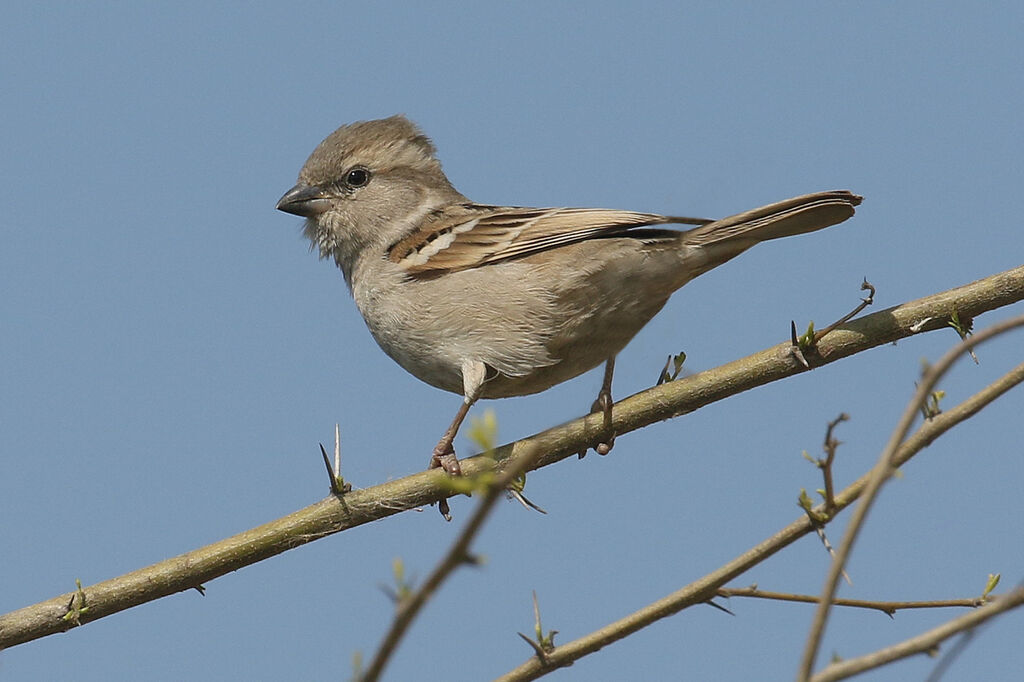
(604,447)
(444,457)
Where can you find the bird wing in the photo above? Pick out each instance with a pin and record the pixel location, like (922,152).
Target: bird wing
(466,236)
(472,235)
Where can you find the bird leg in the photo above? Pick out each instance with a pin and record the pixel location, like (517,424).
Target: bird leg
(603,404)
(474,373)
(444,453)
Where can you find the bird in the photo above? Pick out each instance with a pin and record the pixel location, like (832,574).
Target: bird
(494,301)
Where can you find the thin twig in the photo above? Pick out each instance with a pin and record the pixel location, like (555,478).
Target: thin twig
(964,641)
(705,588)
(829,446)
(880,473)
(864,303)
(886,607)
(411,606)
(925,642)
(811,338)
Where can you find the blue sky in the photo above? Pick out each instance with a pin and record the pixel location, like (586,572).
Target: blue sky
(172,352)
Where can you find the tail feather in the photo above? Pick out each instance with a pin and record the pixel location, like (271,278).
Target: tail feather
(798,215)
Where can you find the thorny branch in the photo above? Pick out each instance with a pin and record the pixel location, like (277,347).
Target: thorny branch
(198,567)
(881,472)
(703,589)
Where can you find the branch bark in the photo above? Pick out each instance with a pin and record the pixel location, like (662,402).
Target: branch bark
(334,514)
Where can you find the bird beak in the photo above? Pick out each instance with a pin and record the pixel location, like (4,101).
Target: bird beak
(303,200)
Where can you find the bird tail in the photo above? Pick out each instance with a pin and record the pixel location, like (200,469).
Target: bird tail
(721,240)
(798,215)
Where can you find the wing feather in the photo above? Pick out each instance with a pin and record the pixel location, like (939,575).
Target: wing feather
(473,235)
(466,236)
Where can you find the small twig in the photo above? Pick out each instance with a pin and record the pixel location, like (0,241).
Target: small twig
(703,589)
(864,303)
(964,641)
(886,607)
(457,555)
(821,516)
(807,341)
(829,446)
(879,474)
(925,642)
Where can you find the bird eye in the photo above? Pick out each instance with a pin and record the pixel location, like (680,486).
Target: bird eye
(357,177)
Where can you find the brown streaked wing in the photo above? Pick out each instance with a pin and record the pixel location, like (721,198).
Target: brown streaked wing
(470,236)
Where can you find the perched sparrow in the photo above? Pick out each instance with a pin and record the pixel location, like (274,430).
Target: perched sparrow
(498,301)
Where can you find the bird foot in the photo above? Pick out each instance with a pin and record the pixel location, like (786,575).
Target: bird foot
(444,457)
(603,404)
